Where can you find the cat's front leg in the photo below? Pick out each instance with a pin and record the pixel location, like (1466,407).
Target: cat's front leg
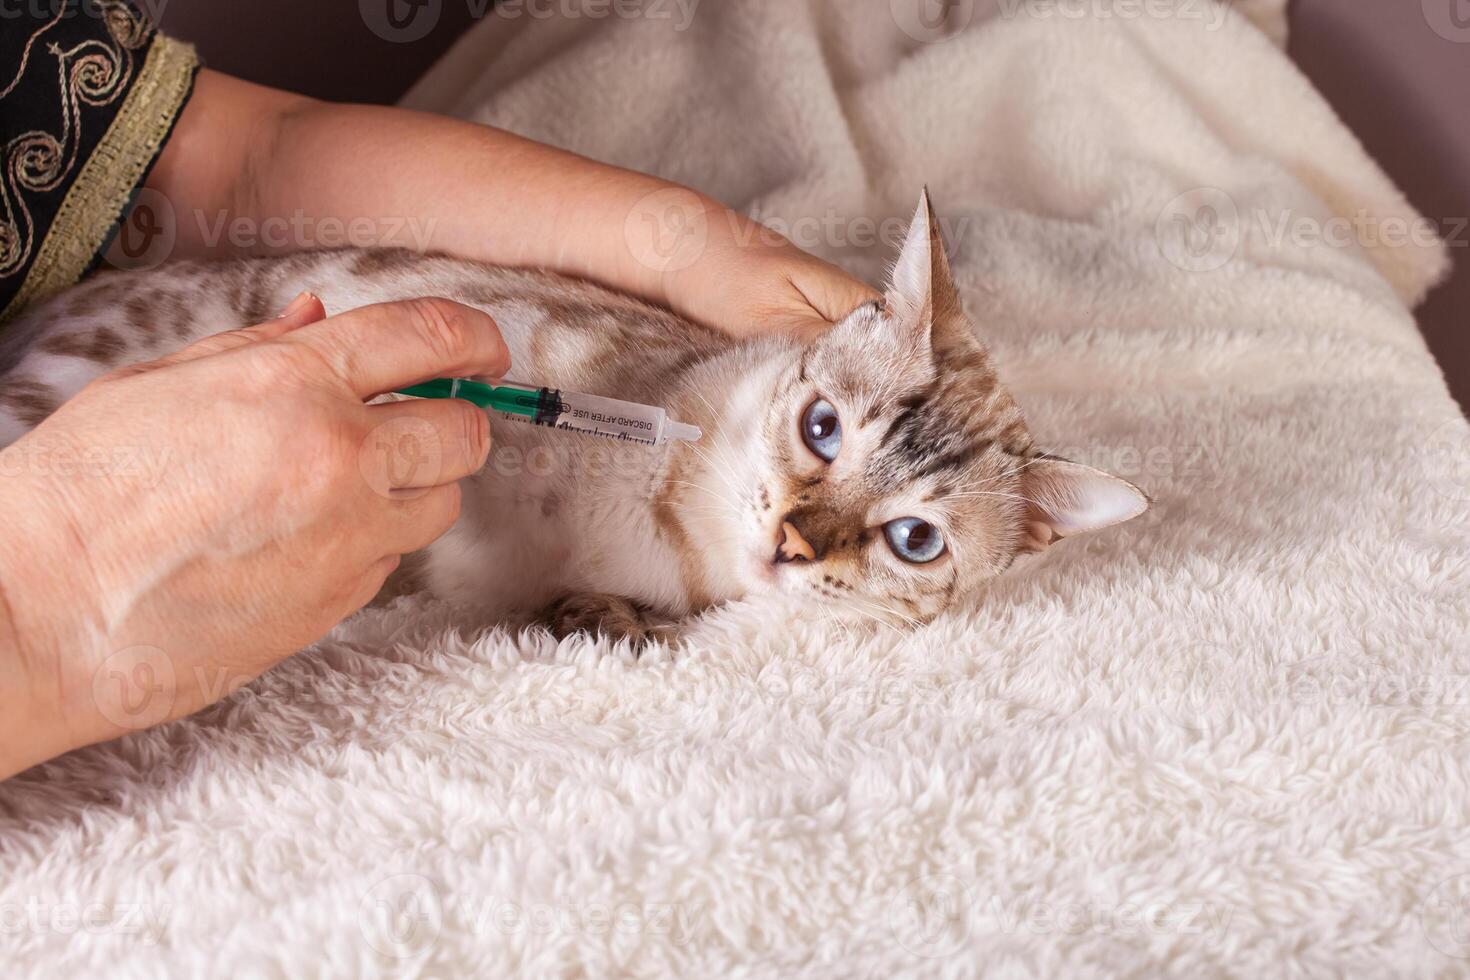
(613,616)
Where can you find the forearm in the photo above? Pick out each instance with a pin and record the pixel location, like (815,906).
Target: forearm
(17,720)
(259,171)
(478,192)
(39,586)
(253,170)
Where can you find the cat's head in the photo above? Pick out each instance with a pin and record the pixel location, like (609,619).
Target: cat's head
(885,466)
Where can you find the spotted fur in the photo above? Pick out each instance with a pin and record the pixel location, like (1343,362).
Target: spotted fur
(610,537)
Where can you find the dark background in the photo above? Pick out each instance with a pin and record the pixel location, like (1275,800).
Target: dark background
(321,48)
(1404,89)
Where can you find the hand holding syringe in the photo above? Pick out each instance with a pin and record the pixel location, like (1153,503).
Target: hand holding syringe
(592,414)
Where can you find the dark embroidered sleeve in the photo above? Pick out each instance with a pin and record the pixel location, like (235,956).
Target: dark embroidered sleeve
(89,92)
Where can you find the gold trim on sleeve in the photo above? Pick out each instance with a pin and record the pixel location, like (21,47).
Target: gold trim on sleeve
(106,182)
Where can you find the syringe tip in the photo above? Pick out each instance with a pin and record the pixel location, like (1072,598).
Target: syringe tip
(689,433)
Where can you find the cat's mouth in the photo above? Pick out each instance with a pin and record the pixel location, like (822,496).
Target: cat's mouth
(792,546)
(784,546)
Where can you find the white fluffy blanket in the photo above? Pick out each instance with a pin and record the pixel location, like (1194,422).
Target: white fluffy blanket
(1226,739)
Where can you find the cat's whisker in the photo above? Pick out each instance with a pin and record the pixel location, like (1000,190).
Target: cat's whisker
(830,618)
(909,620)
(714,415)
(874,618)
(969,495)
(1022,468)
(697,486)
(734,507)
(712,465)
(866,607)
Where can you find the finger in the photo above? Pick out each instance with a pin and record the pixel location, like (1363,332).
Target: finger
(834,295)
(457,431)
(375,349)
(418,520)
(806,327)
(304,309)
(372,582)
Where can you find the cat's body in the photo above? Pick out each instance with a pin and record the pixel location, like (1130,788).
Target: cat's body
(616,536)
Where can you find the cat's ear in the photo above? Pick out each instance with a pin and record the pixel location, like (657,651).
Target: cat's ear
(1065,498)
(921,290)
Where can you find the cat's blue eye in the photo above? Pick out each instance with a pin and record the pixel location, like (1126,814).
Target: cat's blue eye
(821,429)
(914,540)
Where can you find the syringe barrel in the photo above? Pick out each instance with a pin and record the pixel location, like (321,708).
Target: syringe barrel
(612,418)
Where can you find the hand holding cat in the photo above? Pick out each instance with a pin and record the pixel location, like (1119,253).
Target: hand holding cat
(264,156)
(276,504)
(768,287)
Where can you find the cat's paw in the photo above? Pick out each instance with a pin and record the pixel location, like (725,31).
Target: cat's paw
(612,616)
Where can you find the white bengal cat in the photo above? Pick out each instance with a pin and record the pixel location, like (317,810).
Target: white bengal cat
(881,470)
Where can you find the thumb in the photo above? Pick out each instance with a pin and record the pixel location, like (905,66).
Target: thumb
(306,308)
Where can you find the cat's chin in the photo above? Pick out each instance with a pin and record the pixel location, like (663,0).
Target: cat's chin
(762,575)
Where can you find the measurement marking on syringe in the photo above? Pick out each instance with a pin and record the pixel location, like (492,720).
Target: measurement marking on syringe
(600,433)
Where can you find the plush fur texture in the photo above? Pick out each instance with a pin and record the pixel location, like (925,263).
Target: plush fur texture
(1226,739)
(920,443)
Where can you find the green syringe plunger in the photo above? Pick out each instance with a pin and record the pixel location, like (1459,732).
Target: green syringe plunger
(571,410)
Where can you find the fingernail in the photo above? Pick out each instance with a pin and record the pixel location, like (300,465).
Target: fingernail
(297,305)
(485,437)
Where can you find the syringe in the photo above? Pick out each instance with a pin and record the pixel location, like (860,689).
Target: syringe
(593,414)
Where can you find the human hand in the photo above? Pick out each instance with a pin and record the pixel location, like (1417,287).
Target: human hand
(281,504)
(725,270)
(767,287)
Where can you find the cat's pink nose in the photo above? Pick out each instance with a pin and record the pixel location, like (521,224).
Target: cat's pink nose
(793,546)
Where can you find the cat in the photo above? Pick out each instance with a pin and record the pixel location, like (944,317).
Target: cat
(881,470)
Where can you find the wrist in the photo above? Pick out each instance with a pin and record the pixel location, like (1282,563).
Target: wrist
(729,254)
(32,721)
(41,602)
